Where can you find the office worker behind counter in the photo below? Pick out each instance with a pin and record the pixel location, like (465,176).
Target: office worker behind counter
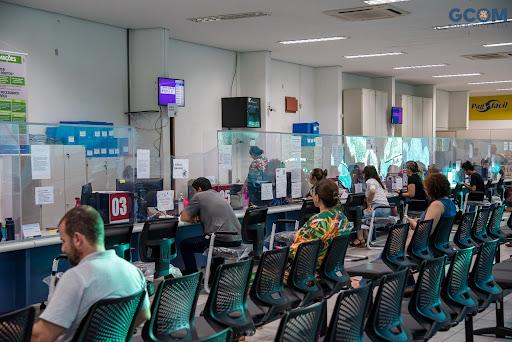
(209,208)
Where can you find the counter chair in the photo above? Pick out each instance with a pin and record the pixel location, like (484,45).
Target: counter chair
(118,237)
(158,244)
(16,326)
(475,199)
(111,319)
(353,210)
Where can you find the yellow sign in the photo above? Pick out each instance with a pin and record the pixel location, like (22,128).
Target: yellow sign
(490,107)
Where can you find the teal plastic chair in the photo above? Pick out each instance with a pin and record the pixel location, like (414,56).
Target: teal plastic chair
(439,241)
(494,225)
(332,270)
(479,229)
(302,325)
(462,238)
(419,247)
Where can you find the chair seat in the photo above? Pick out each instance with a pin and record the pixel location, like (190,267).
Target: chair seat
(238,253)
(507,231)
(479,203)
(414,213)
(372,270)
(502,274)
(286,237)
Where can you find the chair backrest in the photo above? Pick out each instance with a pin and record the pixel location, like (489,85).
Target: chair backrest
(493,227)
(479,229)
(307,210)
(301,325)
(253,228)
(332,270)
(476,196)
(419,247)
(118,238)
(226,305)
(385,320)
(462,236)
(488,189)
(457,192)
(354,201)
(158,244)
(223,336)
(303,271)
(500,189)
(481,280)
(347,320)
(455,291)
(439,241)
(267,288)
(16,326)
(173,309)
(393,253)
(111,320)
(425,304)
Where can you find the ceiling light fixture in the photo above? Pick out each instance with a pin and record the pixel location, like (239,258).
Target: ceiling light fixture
(459,75)
(446,27)
(497,44)
(381,2)
(376,55)
(228,17)
(311,40)
(420,66)
(504,89)
(491,82)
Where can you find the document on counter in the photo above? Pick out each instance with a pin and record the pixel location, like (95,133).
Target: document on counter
(266,192)
(44,195)
(180,168)
(227,153)
(165,200)
(358,188)
(40,161)
(296,190)
(397,185)
(143,164)
(31,230)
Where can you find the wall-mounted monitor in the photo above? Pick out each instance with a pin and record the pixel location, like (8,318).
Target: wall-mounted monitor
(241,112)
(396,115)
(171,90)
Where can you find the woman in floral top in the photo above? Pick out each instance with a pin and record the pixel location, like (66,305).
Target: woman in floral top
(324,226)
(256,170)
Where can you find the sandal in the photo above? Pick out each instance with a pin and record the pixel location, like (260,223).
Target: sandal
(361,244)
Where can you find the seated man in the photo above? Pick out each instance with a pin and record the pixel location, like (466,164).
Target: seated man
(476,181)
(98,274)
(216,215)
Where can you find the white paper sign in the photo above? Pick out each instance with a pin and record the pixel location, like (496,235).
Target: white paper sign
(358,188)
(457,165)
(470,151)
(318,142)
(369,143)
(142,164)
(266,191)
(296,143)
(227,157)
(252,142)
(97,134)
(165,200)
(296,190)
(40,161)
(505,145)
(337,154)
(180,168)
(211,179)
(296,160)
(44,195)
(31,230)
(104,134)
(71,139)
(82,134)
(296,176)
(397,184)
(280,182)
(488,150)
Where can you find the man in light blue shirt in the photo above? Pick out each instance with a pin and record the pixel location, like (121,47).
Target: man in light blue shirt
(98,274)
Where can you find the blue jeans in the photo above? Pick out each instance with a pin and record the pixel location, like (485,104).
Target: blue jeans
(379,212)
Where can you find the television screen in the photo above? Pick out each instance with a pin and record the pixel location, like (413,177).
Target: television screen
(396,115)
(171,90)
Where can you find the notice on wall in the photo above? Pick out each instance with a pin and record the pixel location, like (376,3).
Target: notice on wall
(358,188)
(457,165)
(180,168)
(227,154)
(296,143)
(470,151)
(13,87)
(296,176)
(266,192)
(165,200)
(280,182)
(296,190)
(211,179)
(142,163)
(31,230)
(336,154)
(44,195)
(40,161)
(397,184)
(318,142)
(489,150)
(369,143)
(252,142)
(505,146)
(296,160)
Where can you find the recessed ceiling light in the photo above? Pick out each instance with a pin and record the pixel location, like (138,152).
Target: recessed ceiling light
(497,44)
(446,27)
(311,40)
(376,55)
(228,17)
(504,89)
(459,75)
(420,66)
(380,2)
(491,82)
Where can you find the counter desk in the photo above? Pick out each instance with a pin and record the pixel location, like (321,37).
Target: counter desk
(23,265)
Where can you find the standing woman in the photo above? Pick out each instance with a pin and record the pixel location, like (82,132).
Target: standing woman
(415,189)
(316,175)
(256,170)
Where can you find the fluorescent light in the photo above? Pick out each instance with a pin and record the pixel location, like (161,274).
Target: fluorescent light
(458,75)
(420,66)
(228,17)
(504,89)
(377,55)
(380,2)
(471,24)
(497,44)
(491,82)
(311,40)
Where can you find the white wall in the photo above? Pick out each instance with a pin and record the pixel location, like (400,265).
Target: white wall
(328,99)
(442,109)
(459,110)
(352,81)
(87,80)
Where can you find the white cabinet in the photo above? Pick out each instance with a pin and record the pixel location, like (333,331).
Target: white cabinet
(417,116)
(365,112)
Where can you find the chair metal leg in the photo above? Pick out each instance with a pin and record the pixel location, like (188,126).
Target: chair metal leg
(469,328)
(209,263)
(500,331)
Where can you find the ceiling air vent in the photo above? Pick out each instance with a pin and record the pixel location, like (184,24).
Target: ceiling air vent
(489,56)
(367,13)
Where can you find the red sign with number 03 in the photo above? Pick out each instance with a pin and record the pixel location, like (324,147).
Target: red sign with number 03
(118,207)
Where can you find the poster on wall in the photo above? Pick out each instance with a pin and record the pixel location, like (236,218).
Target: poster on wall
(498,107)
(13,87)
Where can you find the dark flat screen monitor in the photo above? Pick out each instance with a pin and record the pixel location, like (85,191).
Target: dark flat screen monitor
(396,115)
(142,188)
(171,90)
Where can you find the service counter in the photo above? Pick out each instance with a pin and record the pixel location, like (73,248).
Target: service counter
(23,265)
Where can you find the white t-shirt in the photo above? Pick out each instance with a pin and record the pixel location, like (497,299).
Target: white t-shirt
(99,275)
(380,195)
